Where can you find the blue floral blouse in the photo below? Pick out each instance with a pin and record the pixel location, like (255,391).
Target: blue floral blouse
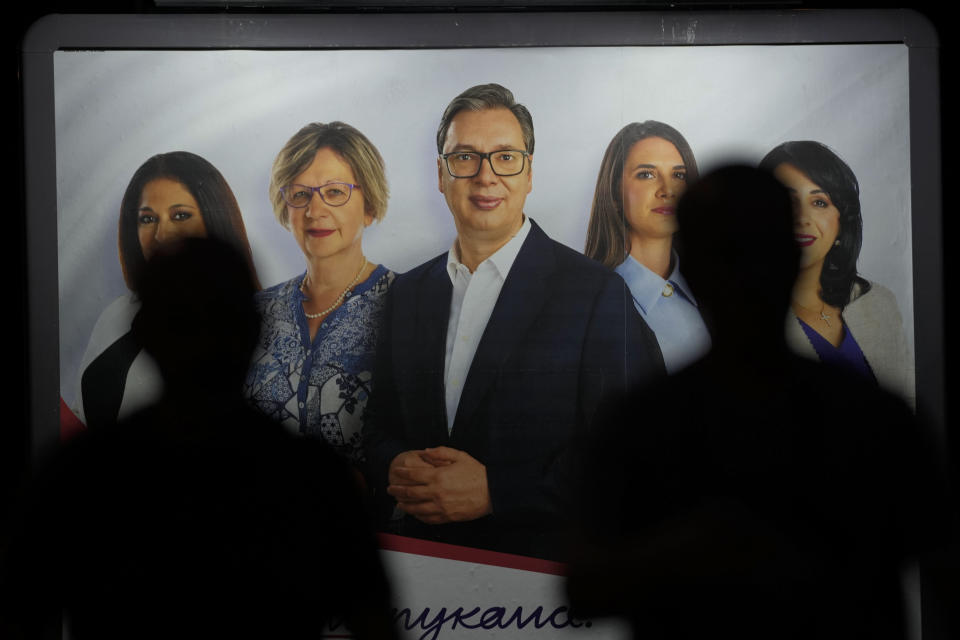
(318,388)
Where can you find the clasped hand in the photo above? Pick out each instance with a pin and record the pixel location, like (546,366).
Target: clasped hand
(439,485)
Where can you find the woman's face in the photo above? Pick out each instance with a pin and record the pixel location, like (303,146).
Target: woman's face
(654,177)
(168,212)
(322,230)
(816,220)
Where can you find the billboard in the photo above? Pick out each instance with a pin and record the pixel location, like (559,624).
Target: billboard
(237,99)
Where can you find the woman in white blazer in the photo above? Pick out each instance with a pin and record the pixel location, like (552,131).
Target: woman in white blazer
(836,315)
(171,196)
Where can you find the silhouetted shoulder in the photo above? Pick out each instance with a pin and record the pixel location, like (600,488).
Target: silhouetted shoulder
(254,529)
(800,444)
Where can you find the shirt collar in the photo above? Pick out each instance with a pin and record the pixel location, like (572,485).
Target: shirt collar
(501,260)
(680,283)
(646,287)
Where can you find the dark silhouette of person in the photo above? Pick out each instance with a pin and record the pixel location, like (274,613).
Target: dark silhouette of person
(754,494)
(198,517)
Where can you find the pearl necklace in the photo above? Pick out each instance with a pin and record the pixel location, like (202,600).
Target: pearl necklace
(343,294)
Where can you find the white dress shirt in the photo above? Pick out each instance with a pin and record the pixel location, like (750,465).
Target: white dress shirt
(474,297)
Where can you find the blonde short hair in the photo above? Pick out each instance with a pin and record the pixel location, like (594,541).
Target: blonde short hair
(351,145)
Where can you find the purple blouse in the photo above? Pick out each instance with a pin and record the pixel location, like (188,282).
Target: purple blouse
(847,356)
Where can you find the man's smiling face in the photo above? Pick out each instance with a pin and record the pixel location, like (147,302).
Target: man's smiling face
(485,206)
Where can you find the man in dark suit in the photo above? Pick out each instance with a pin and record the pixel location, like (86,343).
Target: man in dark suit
(495,354)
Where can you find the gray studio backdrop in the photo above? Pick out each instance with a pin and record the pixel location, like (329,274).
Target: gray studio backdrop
(114,109)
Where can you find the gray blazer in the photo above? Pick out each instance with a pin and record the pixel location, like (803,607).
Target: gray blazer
(874,320)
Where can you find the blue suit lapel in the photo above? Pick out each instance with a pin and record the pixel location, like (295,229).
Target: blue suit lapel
(523,295)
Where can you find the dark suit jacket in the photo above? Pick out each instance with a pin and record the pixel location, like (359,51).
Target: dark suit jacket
(563,334)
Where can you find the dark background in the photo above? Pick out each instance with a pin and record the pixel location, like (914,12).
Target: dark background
(14,426)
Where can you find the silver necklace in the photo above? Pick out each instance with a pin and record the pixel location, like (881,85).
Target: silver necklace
(823,316)
(343,294)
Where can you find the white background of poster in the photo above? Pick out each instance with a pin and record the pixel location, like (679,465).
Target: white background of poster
(237,108)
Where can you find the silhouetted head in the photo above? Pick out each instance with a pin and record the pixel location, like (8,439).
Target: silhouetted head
(833,176)
(741,258)
(198,318)
(196,202)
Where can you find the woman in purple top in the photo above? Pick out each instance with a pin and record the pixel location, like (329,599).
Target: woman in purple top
(837,316)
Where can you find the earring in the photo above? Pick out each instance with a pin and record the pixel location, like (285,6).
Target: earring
(836,242)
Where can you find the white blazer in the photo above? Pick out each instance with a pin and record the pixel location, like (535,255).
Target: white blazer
(875,322)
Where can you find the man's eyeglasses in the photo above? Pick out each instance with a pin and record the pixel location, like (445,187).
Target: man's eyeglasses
(466,164)
(335,194)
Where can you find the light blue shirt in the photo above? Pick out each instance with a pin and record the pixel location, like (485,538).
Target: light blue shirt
(670,310)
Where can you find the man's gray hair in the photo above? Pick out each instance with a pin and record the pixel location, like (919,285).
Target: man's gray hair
(480,98)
